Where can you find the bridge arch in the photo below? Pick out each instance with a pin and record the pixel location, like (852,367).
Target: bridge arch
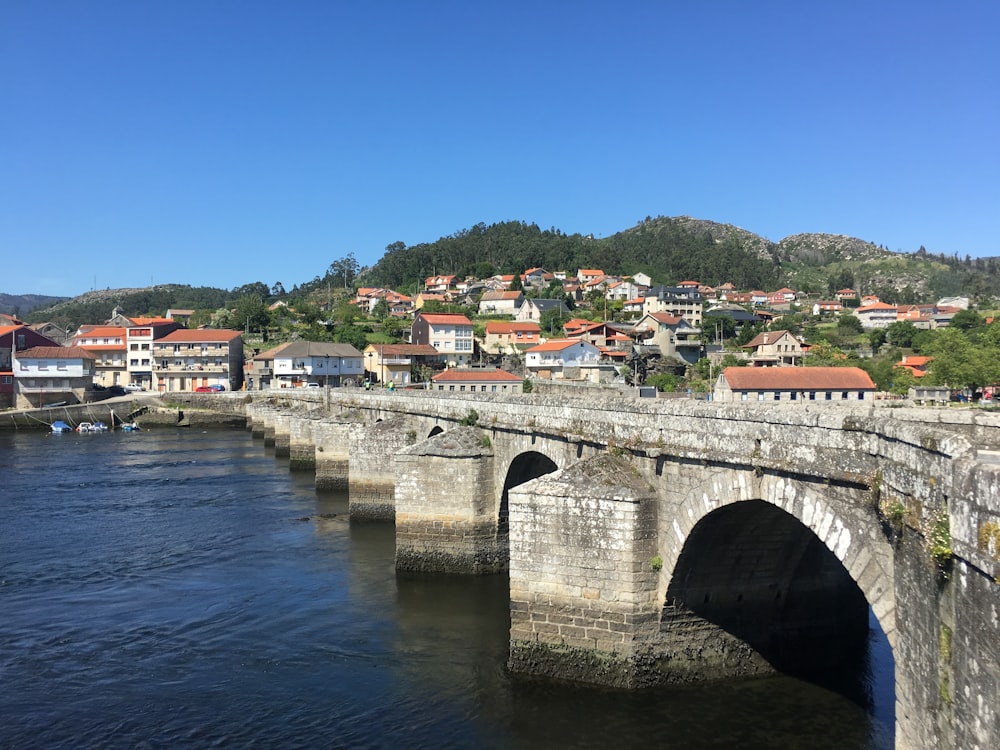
(435,430)
(523,468)
(840,518)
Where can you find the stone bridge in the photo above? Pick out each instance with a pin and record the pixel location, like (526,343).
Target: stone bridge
(653,542)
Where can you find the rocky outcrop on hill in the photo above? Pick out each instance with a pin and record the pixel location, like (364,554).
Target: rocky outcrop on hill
(822,249)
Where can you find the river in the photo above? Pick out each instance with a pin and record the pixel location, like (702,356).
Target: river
(180,588)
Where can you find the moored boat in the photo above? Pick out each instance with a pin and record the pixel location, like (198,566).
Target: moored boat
(59,427)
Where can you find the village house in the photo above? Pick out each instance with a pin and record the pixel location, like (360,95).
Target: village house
(673,336)
(845,294)
(533,309)
(140,333)
(642,279)
(449,333)
(507,337)
(476,380)
(439,284)
(48,375)
(827,307)
(915,364)
(775,349)
(805,385)
(13,339)
(876,315)
(258,370)
(107,344)
(184,359)
(537,278)
(394,363)
(685,302)
(562,359)
(584,275)
(304,363)
(500,303)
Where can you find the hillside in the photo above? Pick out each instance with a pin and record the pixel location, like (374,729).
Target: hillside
(97,306)
(20,305)
(670,249)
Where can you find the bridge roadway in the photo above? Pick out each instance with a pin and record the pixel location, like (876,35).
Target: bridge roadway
(652,541)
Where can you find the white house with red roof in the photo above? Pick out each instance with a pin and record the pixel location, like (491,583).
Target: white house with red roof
(439,284)
(806,385)
(476,380)
(508,337)
(584,275)
(186,359)
(561,358)
(107,344)
(46,375)
(876,315)
(672,334)
(449,333)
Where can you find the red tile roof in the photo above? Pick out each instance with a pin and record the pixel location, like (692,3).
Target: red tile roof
(557,345)
(498,327)
(199,334)
(455,375)
(455,319)
(797,378)
(55,352)
(403,350)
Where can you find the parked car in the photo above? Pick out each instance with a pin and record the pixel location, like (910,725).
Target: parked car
(217,387)
(313,385)
(116,390)
(206,389)
(133,387)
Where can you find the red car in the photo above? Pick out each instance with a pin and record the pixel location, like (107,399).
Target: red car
(205,389)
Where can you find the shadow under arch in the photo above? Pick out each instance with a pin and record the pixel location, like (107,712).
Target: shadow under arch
(525,467)
(436,430)
(757,573)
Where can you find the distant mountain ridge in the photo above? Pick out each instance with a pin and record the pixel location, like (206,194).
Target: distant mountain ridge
(669,249)
(22,304)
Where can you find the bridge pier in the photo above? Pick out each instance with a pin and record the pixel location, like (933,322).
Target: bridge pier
(584,573)
(302,444)
(447,505)
(282,434)
(332,462)
(371,480)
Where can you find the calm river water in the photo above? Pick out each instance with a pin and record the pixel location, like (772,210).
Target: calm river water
(184,589)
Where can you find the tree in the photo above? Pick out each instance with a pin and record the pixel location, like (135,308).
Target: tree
(551,321)
(381,311)
(516,285)
(848,323)
(876,337)
(278,290)
(901,333)
(351,334)
(966,320)
(957,363)
(251,313)
(345,268)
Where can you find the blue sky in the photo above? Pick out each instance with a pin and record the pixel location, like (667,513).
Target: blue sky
(221,143)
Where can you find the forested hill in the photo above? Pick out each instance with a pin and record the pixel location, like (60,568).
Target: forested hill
(667,249)
(674,249)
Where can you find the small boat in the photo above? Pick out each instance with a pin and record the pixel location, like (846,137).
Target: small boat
(59,426)
(130,427)
(91,427)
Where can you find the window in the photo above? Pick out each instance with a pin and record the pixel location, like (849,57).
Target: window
(812,395)
(6,379)
(760,396)
(483,389)
(794,396)
(451,387)
(777,396)
(494,389)
(829,395)
(844,395)
(462,387)
(743,396)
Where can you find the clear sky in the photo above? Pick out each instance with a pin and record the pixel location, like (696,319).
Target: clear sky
(222,142)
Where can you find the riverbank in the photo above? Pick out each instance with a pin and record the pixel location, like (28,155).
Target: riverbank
(147,410)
